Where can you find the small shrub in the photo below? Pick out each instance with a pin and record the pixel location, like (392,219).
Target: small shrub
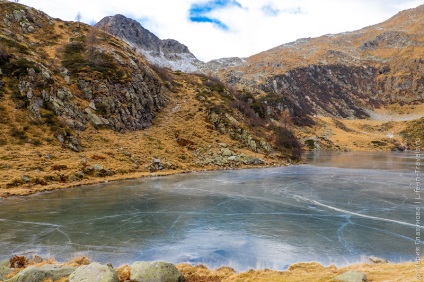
(15,182)
(378,143)
(37,142)
(18,262)
(285,139)
(40,181)
(98,157)
(59,167)
(19,134)
(50,178)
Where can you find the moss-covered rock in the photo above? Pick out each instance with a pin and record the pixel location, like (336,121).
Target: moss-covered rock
(47,271)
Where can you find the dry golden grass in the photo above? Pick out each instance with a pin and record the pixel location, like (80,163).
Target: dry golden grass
(302,272)
(363,134)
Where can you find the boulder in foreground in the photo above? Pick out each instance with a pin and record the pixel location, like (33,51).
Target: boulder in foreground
(94,272)
(155,271)
(41,273)
(351,276)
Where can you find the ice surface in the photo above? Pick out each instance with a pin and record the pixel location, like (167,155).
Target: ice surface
(245,219)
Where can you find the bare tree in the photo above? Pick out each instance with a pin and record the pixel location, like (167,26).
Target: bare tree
(286,118)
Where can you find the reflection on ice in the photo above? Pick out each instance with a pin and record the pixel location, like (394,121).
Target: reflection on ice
(262,218)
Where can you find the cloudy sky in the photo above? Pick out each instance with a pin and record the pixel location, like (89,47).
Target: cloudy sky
(224,28)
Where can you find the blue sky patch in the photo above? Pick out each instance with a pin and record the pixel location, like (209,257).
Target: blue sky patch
(198,13)
(268,10)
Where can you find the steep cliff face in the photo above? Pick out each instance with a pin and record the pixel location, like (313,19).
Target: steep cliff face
(166,53)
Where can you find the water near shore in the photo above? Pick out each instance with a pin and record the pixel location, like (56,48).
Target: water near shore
(337,209)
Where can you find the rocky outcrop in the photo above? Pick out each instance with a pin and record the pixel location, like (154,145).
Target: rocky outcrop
(227,124)
(333,90)
(120,106)
(94,272)
(42,273)
(377,260)
(155,271)
(166,53)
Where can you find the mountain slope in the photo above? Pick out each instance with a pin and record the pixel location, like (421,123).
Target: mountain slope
(343,75)
(166,53)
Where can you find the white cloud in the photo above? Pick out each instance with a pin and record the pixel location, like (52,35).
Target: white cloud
(257,26)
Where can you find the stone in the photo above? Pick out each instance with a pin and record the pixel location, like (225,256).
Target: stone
(25,178)
(95,272)
(155,271)
(98,167)
(61,94)
(377,260)
(45,74)
(257,161)
(92,105)
(93,117)
(233,158)
(42,273)
(19,15)
(226,152)
(351,276)
(30,29)
(223,145)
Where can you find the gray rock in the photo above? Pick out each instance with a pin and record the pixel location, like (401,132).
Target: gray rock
(45,74)
(155,271)
(94,272)
(226,152)
(257,161)
(92,105)
(233,158)
(25,178)
(19,15)
(351,276)
(377,260)
(33,273)
(98,167)
(93,117)
(30,29)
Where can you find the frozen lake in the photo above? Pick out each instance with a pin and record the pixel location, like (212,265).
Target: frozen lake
(341,207)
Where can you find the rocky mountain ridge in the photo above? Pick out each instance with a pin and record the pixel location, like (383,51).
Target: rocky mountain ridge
(165,53)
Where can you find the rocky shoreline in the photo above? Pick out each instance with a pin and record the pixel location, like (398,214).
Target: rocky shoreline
(33,189)
(22,269)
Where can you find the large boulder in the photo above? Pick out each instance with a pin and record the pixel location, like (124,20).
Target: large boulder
(351,276)
(154,272)
(41,273)
(94,272)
